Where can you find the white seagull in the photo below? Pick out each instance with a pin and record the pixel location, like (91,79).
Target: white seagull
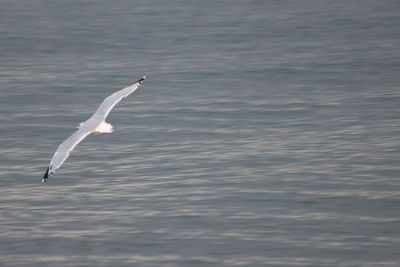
(94,125)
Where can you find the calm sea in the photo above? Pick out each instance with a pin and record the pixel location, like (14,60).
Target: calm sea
(267,134)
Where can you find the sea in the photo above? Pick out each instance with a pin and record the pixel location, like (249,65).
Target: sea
(266,134)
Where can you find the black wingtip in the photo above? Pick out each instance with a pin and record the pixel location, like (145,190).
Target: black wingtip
(46,175)
(141,80)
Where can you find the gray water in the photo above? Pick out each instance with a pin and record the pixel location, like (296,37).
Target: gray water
(267,133)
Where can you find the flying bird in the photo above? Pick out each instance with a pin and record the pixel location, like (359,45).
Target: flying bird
(96,124)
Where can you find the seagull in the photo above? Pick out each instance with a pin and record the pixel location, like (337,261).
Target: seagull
(96,124)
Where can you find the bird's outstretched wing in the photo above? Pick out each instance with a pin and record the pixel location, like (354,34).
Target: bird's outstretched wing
(88,127)
(65,149)
(109,102)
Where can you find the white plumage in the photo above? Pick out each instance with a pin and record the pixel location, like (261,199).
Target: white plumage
(94,125)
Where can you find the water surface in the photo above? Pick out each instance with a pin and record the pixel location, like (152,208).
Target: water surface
(267,133)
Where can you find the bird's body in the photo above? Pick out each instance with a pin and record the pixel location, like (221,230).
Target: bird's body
(94,125)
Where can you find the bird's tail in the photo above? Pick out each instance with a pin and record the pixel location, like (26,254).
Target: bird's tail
(46,175)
